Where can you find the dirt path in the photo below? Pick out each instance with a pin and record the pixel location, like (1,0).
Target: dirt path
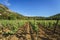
(47,35)
(24,32)
(42,35)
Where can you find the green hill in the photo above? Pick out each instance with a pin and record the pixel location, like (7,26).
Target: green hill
(56,16)
(6,13)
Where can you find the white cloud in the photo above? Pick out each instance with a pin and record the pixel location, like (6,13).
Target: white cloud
(7,2)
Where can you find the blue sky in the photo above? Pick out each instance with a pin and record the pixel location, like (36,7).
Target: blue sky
(33,7)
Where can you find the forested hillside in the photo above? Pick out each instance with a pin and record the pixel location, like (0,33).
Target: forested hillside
(57,16)
(5,13)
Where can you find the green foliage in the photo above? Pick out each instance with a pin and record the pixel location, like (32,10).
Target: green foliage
(12,25)
(34,25)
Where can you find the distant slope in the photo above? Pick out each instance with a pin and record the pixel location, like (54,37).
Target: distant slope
(57,16)
(5,13)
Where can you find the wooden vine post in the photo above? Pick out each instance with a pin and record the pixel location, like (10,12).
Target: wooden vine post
(55,25)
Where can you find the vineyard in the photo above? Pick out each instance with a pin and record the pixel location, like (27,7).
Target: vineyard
(29,29)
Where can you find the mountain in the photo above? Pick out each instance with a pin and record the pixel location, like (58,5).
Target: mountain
(54,17)
(6,13)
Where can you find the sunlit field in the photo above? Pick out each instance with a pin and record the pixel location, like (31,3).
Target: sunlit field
(29,20)
(13,25)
